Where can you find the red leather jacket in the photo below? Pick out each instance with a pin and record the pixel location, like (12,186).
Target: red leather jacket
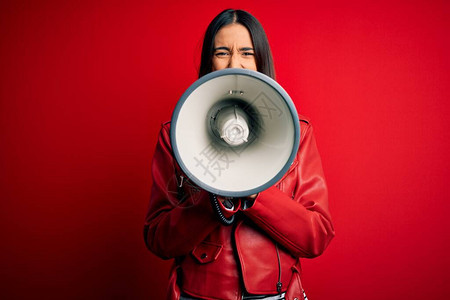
(257,253)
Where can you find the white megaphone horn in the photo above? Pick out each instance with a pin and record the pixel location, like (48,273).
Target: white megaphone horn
(235,132)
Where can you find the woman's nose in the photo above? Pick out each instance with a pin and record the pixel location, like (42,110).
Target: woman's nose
(235,61)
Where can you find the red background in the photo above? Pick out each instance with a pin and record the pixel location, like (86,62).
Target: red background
(85,85)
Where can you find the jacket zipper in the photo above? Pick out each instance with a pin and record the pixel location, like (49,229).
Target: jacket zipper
(279,283)
(181,181)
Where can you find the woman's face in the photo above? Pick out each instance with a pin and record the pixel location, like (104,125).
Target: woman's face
(233,48)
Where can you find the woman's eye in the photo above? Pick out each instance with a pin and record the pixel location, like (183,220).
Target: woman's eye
(221,54)
(248,53)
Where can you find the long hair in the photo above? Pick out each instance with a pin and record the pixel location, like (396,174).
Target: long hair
(263,55)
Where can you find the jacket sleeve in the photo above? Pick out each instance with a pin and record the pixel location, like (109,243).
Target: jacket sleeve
(174,225)
(300,222)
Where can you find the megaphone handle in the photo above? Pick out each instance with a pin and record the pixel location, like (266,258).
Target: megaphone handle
(218,211)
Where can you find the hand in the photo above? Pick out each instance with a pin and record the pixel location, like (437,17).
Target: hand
(248,201)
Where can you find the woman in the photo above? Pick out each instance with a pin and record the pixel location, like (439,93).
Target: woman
(258,256)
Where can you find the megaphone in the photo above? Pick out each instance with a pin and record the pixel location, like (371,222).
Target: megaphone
(235,132)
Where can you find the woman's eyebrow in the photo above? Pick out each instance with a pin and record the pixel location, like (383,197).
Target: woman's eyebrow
(222,48)
(228,49)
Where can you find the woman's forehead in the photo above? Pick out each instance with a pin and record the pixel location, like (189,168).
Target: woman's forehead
(233,34)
